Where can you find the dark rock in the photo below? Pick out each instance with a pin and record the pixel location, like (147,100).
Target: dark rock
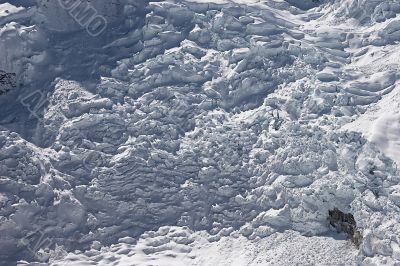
(7,81)
(345,222)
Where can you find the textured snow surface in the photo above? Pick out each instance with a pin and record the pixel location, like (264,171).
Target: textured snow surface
(199,133)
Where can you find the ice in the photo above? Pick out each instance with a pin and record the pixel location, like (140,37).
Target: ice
(198,133)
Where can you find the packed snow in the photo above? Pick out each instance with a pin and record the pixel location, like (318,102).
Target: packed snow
(199,132)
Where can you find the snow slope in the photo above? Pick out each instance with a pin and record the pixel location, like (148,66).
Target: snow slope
(199,133)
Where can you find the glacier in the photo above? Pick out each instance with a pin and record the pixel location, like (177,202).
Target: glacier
(198,132)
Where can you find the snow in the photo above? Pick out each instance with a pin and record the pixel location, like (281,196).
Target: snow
(199,132)
(385,135)
(274,250)
(6,9)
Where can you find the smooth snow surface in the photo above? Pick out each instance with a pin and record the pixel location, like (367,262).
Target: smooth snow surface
(278,249)
(386,135)
(199,132)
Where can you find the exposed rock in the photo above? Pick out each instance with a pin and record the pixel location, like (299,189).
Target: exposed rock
(345,222)
(7,81)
